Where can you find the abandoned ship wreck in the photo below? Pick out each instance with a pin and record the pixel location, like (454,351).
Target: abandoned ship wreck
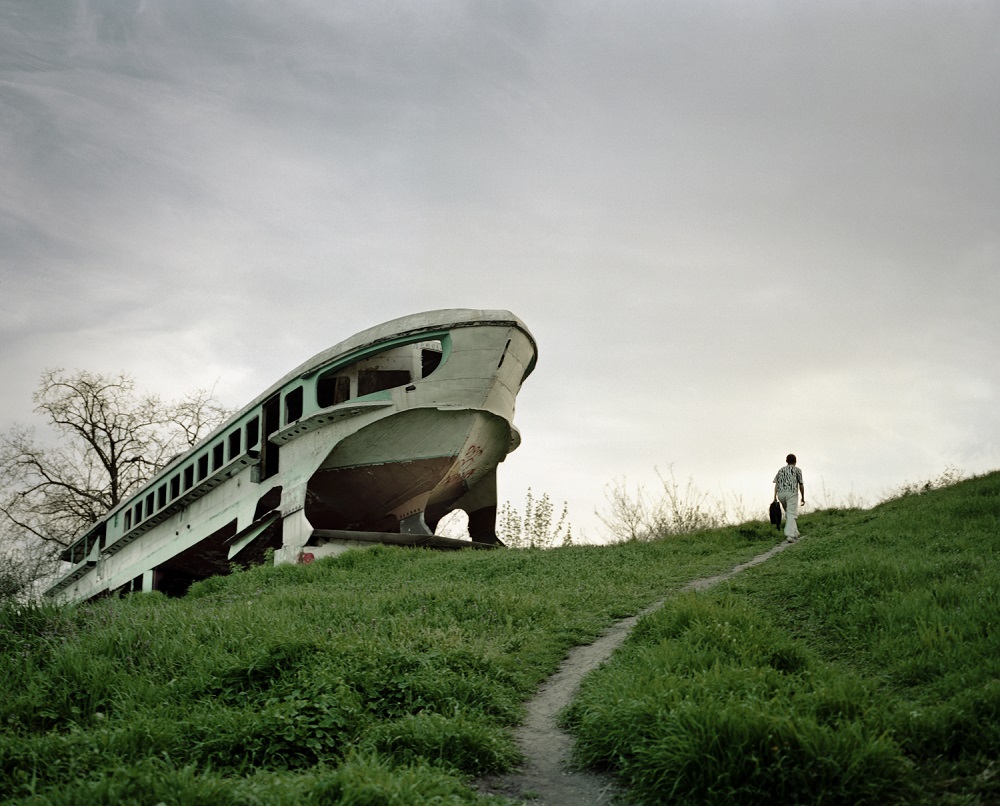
(373,440)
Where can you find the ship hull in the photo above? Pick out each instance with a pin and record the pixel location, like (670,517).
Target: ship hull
(424,461)
(373,440)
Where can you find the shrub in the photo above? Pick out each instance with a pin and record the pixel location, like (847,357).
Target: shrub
(538,528)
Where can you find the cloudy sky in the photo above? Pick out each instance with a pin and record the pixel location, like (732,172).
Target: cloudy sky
(736,229)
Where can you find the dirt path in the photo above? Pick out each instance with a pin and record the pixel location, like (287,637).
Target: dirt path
(547,778)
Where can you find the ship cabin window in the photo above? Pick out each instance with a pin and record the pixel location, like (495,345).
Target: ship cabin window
(397,366)
(293,405)
(161,496)
(128,519)
(202,467)
(78,552)
(175,487)
(271,423)
(332,389)
(149,504)
(234,444)
(378,380)
(218,456)
(269,454)
(430,357)
(253,433)
(188,477)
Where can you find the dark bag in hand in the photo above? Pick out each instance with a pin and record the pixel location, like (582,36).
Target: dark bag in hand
(776,514)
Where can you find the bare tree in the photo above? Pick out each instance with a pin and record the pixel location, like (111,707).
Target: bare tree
(109,441)
(196,414)
(23,563)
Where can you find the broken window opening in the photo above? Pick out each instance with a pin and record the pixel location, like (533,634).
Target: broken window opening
(269,450)
(430,358)
(392,368)
(332,389)
(253,433)
(293,405)
(371,381)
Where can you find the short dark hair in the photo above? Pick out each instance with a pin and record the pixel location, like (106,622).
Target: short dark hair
(790,458)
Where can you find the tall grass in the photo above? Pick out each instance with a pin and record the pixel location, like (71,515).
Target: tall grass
(861,666)
(380,676)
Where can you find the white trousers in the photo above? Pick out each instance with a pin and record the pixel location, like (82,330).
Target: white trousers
(790,501)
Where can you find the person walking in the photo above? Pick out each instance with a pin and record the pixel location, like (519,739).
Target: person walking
(788,486)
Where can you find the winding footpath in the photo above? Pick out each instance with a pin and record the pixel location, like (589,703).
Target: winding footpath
(547,779)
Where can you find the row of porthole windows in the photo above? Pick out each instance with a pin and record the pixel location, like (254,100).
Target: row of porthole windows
(197,470)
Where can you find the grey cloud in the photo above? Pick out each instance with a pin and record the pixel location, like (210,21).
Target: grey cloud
(662,191)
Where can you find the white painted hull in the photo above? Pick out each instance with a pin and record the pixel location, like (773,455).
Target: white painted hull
(327,474)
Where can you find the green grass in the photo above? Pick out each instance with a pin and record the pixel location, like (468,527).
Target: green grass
(860,666)
(382,676)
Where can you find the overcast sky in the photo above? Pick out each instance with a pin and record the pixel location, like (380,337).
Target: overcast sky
(736,229)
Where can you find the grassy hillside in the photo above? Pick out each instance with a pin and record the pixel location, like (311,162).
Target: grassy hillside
(861,664)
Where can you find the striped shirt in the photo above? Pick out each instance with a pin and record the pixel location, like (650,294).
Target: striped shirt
(788,478)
